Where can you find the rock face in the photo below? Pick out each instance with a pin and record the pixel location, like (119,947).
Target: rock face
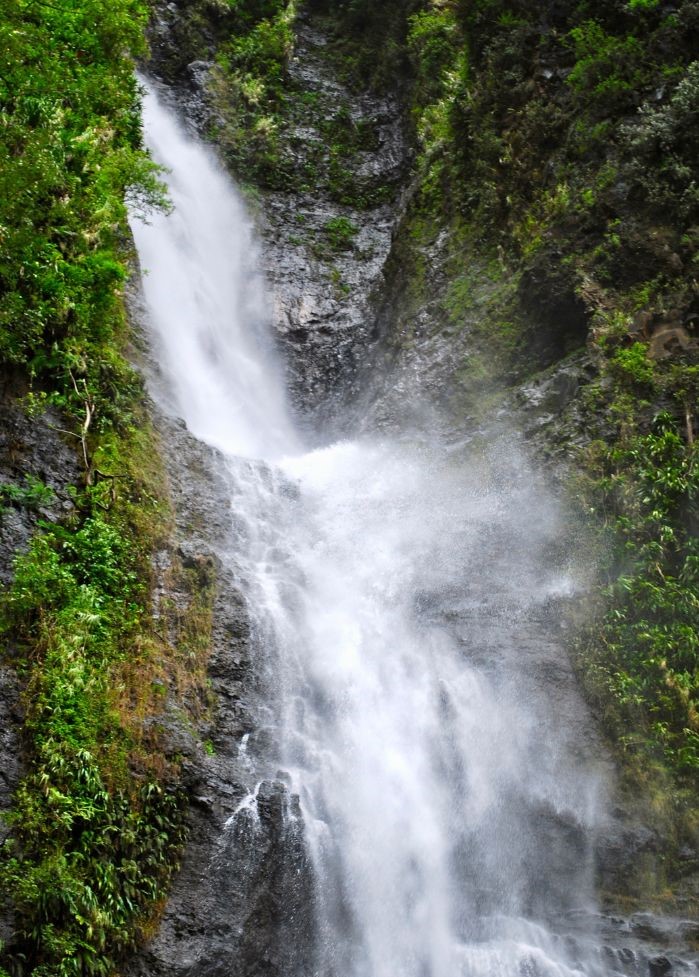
(323,250)
(322,287)
(31,447)
(242,898)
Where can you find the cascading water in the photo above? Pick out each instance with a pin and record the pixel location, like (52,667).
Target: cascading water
(427,719)
(206,303)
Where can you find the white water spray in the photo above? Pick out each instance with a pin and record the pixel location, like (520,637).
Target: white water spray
(407,591)
(207,304)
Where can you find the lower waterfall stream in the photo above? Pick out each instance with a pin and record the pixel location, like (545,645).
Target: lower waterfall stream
(449,802)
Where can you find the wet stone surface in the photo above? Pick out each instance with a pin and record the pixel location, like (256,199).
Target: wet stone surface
(324,259)
(325,238)
(241,900)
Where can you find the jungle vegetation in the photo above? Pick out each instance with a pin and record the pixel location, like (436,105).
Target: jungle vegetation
(559,140)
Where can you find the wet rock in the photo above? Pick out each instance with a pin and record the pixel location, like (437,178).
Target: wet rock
(669,339)
(627,854)
(559,318)
(247,905)
(660,967)
(199,72)
(551,392)
(240,904)
(322,293)
(641,326)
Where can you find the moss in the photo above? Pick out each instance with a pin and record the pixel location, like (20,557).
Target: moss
(641,653)
(632,367)
(250,90)
(261,108)
(367,40)
(340,288)
(33,495)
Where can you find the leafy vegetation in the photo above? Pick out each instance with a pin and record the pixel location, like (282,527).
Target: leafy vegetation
(643,655)
(33,494)
(69,154)
(97,822)
(339,233)
(251,82)
(564,142)
(92,846)
(368,39)
(273,128)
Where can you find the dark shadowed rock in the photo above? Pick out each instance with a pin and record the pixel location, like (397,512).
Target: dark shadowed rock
(559,318)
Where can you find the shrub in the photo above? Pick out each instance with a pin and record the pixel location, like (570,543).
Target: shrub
(340,233)
(606,65)
(647,650)
(93,843)
(433,43)
(663,148)
(632,367)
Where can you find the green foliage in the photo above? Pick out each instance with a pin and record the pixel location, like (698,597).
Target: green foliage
(251,12)
(33,494)
(369,38)
(510,107)
(250,87)
(92,848)
(632,366)
(95,828)
(663,144)
(433,46)
(340,232)
(606,64)
(266,115)
(80,887)
(645,654)
(69,153)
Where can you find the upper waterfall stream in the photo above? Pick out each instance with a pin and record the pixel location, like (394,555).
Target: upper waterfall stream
(425,714)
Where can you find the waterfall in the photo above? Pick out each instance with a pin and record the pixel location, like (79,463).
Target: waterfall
(426,718)
(206,302)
